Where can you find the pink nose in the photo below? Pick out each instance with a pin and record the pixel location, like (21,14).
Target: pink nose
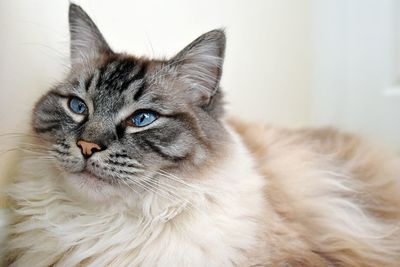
(88,148)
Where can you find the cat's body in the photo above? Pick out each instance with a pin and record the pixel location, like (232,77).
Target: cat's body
(333,193)
(180,186)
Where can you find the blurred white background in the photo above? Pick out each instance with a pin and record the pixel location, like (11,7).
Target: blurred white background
(288,62)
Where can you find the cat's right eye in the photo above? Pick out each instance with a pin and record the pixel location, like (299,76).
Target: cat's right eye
(142,118)
(77,105)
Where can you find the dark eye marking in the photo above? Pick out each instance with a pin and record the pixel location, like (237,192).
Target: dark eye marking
(88,82)
(164,155)
(140,91)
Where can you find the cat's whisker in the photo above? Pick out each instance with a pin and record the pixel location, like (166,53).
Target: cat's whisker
(178,180)
(18,134)
(181,199)
(195,188)
(32,145)
(151,183)
(171,193)
(151,187)
(148,187)
(36,150)
(40,158)
(185,187)
(23,139)
(17,149)
(125,183)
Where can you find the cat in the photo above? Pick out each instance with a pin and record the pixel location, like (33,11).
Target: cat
(133,162)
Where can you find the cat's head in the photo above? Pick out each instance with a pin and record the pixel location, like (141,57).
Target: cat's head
(120,121)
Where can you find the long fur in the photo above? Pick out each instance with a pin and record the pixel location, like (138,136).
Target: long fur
(338,194)
(305,198)
(213,230)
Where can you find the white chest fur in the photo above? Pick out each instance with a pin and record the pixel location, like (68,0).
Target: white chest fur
(218,227)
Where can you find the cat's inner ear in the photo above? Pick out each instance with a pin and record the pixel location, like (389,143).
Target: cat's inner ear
(87,43)
(199,66)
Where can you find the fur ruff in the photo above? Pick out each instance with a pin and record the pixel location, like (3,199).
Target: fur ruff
(287,198)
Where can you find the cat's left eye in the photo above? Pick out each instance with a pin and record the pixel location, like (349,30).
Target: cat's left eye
(142,118)
(77,105)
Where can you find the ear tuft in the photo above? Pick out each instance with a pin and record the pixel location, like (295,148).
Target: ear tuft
(199,65)
(86,40)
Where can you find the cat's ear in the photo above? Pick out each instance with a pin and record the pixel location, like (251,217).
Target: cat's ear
(86,40)
(199,65)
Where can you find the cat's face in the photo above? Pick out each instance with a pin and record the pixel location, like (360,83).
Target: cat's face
(121,122)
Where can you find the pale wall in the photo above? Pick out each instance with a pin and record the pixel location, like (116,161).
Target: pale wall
(267,72)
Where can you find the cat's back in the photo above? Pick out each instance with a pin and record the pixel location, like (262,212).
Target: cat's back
(339,194)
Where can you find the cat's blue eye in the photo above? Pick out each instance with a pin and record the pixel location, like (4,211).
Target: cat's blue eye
(142,118)
(77,105)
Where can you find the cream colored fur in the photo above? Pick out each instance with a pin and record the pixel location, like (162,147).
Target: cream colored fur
(220,225)
(277,198)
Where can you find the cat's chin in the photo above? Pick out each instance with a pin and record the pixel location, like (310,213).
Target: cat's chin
(88,186)
(93,179)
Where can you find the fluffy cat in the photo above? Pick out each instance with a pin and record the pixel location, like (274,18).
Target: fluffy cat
(132,163)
